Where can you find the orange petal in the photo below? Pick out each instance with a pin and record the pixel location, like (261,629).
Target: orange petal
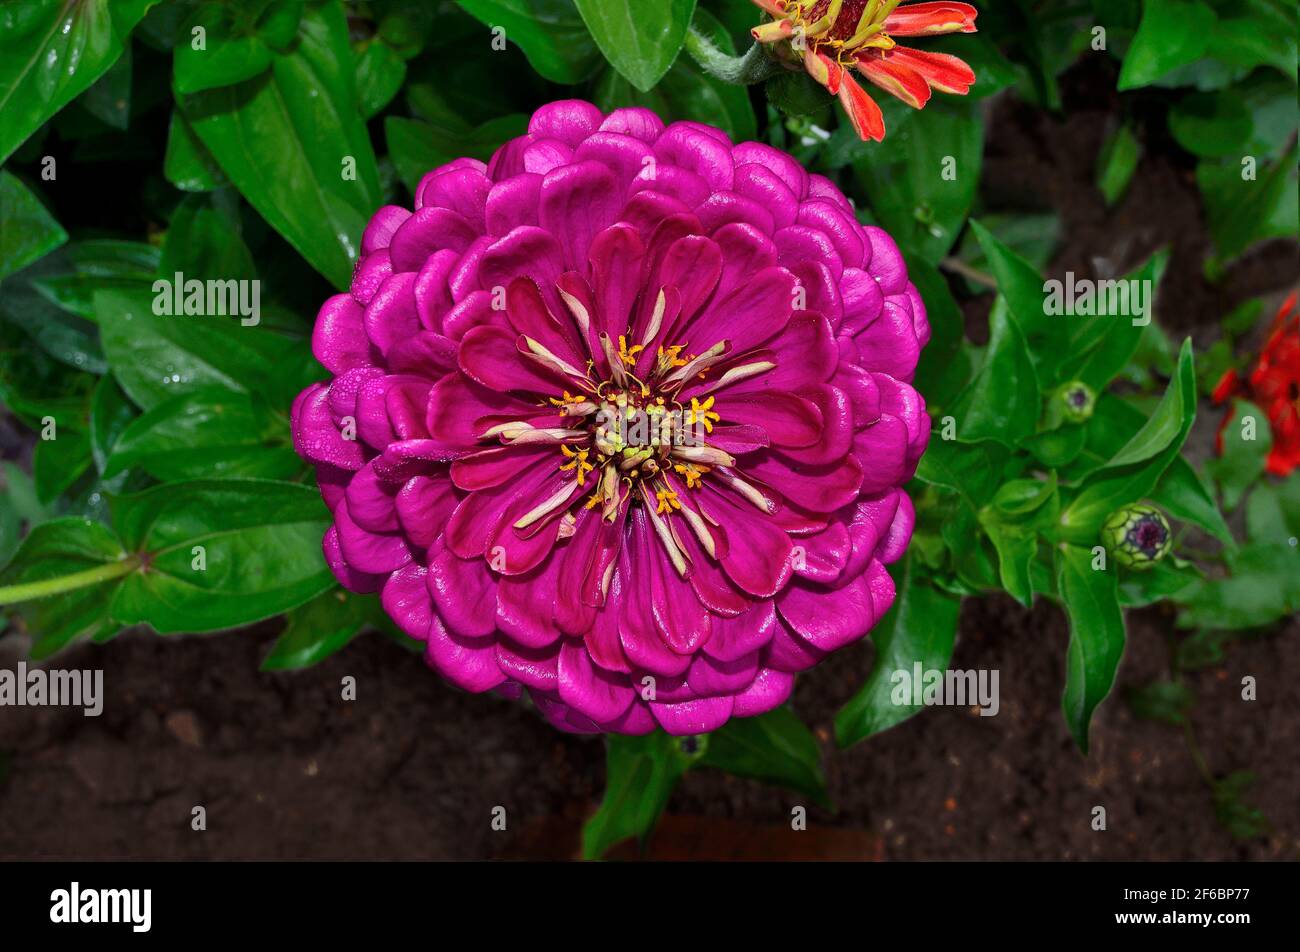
(823,69)
(771,7)
(895,77)
(773,31)
(863,112)
(927,19)
(948,74)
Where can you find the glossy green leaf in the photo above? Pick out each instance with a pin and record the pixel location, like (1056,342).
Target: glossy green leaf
(1102,346)
(1262,586)
(203,243)
(302,116)
(29,231)
(110,414)
(237,40)
(417,147)
(187,163)
(54,551)
(1136,469)
(920,628)
(550,32)
(380,74)
(316,630)
(155,357)
(972,469)
(58,463)
(51,51)
(640,38)
(1183,495)
(922,185)
(1096,636)
(937,372)
(775,747)
(209,432)
(1022,287)
(1248,201)
(109,100)
(259,542)
(640,773)
(1172,33)
(81,268)
(1002,402)
(687,92)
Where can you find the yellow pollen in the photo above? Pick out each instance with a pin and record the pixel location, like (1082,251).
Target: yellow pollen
(703,413)
(667,501)
(691,472)
(577,461)
(629,356)
(670,356)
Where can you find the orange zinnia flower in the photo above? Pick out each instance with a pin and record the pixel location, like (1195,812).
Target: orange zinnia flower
(830,37)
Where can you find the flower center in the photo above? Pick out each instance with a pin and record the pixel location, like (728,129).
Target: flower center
(1148,535)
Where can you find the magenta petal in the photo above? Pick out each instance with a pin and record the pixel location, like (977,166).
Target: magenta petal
(592,691)
(315,436)
(894,541)
(366,551)
(490,356)
(758,555)
(762,185)
(578,201)
(427,231)
(693,717)
(371,502)
(349,577)
(464,593)
(406,600)
(828,618)
(535,668)
(769,689)
(424,504)
(526,252)
(570,121)
(789,420)
(735,638)
(884,446)
(379,232)
(466,662)
(635,122)
(339,340)
(526,603)
(708,676)
(749,315)
(463,191)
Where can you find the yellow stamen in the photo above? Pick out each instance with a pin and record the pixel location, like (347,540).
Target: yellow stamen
(626,354)
(703,413)
(667,501)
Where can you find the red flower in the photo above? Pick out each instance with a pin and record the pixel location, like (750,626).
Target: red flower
(830,37)
(1274,386)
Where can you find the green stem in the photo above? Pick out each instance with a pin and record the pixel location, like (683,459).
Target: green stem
(28,591)
(753,67)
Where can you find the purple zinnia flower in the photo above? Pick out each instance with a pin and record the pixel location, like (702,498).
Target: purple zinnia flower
(621,418)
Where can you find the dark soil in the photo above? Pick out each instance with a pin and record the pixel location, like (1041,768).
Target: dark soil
(413,768)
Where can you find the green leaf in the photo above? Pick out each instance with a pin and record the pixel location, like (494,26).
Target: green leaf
(1164,581)
(687,91)
(775,747)
(1168,702)
(1242,820)
(1135,470)
(203,243)
(1117,163)
(640,38)
(418,147)
(316,630)
(1254,33)
(51,51)
(29,231)
(1273,512)
(380,74)
(110,414)
(550,32)
(1096,637)
(109,100)
(922,185)
(58,463)
(230,53)
(1172,33)
(1242,461)
(261,546)
(53,552)
(937,374)
(155,357)
(640,773)
(1245,210)
(1104,345)
(208,432)
(1262,587)
(1002,402)
(188,164)
(1020,284)
(1181,493)
(303,112)
(972,469)
(81,268)
(919,628)
(1211,124)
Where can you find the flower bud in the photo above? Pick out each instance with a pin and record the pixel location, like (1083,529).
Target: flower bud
(1076,400)
(1137,536)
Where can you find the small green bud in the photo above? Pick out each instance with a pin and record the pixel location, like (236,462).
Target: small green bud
(1076,401)
(1137,536)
